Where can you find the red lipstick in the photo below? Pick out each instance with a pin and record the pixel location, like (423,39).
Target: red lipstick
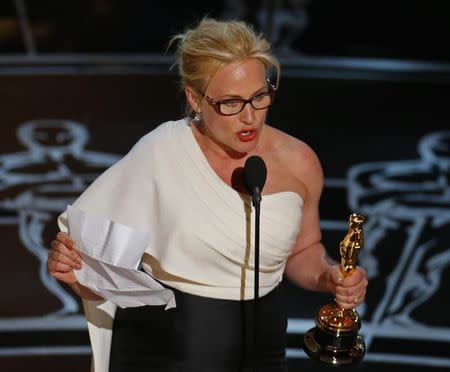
(247,135)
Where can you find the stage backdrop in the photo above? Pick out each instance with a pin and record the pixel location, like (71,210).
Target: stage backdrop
(74,100)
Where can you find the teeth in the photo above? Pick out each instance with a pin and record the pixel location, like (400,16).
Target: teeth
(246,133)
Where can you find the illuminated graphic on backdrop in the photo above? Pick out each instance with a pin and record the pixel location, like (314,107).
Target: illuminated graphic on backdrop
(35,187)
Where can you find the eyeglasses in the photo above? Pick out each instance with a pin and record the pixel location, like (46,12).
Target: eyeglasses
(233,106)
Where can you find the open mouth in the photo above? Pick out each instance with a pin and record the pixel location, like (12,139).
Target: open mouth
(247,135)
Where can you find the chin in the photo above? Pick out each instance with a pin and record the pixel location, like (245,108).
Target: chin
(245,148)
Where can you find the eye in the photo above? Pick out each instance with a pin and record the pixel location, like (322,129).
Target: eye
(259,97)
(231,102)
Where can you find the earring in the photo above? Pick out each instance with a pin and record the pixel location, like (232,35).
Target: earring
(198,117)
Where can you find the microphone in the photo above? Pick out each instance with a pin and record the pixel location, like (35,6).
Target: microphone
(255,174)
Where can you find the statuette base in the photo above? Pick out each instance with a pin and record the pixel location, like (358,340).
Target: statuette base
(331,354)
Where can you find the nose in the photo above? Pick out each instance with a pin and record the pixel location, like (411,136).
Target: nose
(247,115)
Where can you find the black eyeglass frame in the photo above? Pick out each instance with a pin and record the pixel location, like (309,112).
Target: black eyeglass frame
(216,104)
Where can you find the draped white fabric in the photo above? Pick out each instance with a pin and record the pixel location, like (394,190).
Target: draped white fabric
(199,230)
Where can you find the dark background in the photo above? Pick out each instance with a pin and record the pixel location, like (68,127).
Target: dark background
(362,82)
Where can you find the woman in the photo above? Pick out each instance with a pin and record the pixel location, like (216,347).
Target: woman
(191,196)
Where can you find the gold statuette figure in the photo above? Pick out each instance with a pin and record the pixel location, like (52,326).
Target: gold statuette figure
(335,340)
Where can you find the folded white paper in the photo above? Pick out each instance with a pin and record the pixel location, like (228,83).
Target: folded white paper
(111,257)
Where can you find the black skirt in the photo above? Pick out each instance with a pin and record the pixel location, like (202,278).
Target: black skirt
(202,334)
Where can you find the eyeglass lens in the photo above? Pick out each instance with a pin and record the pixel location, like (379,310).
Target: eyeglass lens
(234,106)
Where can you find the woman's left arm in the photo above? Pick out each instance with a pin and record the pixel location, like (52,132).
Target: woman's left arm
(309,266)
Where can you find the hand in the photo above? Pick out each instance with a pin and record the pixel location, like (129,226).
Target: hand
(349,291)
(63,258)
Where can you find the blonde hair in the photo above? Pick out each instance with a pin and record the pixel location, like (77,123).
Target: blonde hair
(204,49)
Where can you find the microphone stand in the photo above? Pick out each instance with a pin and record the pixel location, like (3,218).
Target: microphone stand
(255,173)
(256,204)
(256,200)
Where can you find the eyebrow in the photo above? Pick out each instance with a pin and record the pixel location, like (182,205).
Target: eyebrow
(235,96)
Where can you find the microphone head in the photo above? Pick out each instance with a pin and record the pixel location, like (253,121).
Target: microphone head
(255,173)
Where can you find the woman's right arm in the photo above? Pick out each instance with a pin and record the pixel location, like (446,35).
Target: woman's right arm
(63,258)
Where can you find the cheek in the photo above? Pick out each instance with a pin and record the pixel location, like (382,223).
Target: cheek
(261,114)
(220,126)
(223,129)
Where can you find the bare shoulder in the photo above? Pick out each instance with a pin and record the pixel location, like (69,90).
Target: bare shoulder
(294,152)
(297,160)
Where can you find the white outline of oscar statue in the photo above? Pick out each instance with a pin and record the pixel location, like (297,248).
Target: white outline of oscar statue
(411,200)
(43,194)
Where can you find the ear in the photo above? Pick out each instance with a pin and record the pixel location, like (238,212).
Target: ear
(192,98)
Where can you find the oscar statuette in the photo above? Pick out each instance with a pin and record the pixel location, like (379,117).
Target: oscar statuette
(335,339)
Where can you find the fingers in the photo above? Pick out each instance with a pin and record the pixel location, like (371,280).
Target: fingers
(351,290)
(65,239)
(356,276)
(64,250)
(61,267)
(336,275)
(63,258)
(350,302)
